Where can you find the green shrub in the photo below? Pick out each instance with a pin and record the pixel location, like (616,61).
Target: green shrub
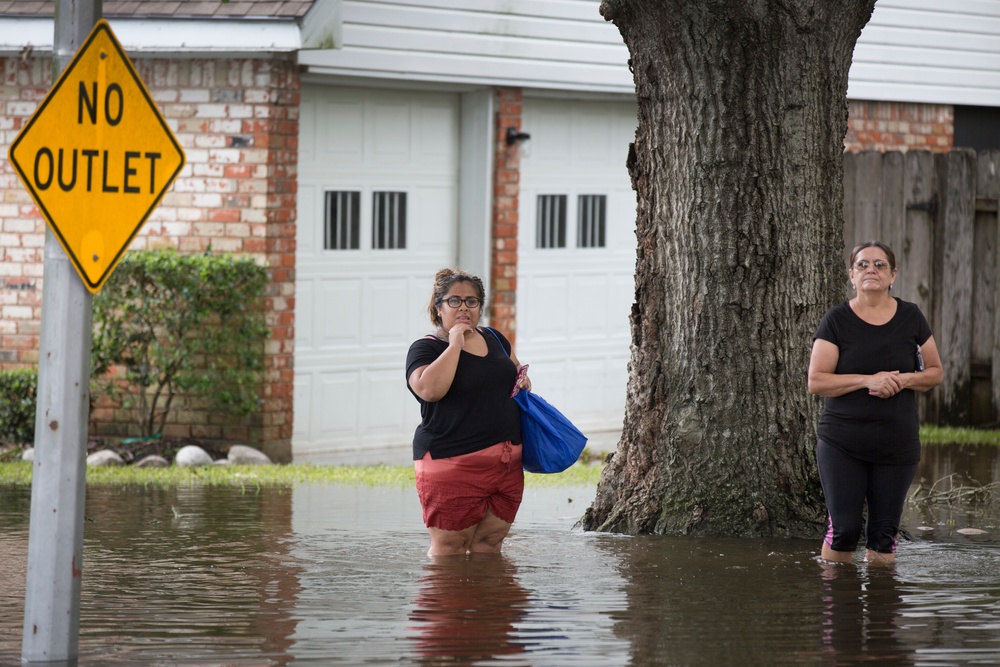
(17,405)
(180,325)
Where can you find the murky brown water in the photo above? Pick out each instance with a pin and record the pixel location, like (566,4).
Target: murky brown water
(337,575)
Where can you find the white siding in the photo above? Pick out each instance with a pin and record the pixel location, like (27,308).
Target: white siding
(911,50)
(929,51)
(145,37)
(555,44)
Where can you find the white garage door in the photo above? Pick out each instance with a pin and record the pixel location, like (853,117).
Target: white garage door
(378,184)
(576,261)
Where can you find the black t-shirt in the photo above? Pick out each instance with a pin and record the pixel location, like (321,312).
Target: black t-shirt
(879,430)
(477,412)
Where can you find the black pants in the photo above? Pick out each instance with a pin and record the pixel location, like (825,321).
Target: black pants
(847,484)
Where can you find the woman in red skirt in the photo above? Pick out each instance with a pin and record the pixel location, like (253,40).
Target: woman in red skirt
(467,449)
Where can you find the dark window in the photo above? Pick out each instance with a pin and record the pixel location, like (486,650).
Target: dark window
(343,216)
(551,220)
(388,220)
(977,127)
(590,221)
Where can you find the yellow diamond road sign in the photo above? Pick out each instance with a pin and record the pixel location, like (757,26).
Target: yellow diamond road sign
(97,156)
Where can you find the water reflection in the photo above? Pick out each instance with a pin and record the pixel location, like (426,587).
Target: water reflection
(338,575)
(478,596)
(861,613)
(969,463)
(184,576)
(721,601)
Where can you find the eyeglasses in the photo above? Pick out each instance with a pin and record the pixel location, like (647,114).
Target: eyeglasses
(863,264)
(456,301)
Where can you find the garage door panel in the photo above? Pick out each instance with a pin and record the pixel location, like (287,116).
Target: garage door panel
(590,391)
(307,238)
(589,300)
(436,134)
(621,224)
(432,232)
(302,390)
(414,309)
(549,380)
(389,132)
(382,322)
(620,303)
(551,142)
(545,315)
(342,137)
(588,379)
(305,336)
(592,137)
(339,303)
(390,414)
(338,402)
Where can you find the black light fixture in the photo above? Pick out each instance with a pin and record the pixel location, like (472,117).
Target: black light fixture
(513,136)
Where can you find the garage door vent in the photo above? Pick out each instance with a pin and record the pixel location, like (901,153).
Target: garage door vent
(551,218)
(389,220)
(590,221)
(343,217)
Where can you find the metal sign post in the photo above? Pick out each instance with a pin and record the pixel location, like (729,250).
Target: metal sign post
(97,158)
(55,538)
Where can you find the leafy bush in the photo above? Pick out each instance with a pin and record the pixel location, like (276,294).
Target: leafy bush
(174,324)
(17,405)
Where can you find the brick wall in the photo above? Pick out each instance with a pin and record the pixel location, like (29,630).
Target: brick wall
(22,228)
(237,120)
(506,194)
(895,126)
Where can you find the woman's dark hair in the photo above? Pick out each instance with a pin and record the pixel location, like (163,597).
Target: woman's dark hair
(890,255)
(443,282)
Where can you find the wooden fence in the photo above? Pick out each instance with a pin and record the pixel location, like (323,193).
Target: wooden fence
(939,213)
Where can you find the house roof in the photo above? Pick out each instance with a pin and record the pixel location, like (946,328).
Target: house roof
(192,27)
(177,9)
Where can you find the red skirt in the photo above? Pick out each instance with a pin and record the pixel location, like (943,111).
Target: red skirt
(456,492)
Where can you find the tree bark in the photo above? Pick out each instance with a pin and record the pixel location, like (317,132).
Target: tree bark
(737,166)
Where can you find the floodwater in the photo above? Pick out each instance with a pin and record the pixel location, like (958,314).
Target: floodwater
(338,575)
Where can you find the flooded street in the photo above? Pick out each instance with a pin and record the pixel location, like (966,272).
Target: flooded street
(338,575)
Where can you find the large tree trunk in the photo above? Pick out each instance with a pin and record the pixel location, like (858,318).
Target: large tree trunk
(737,165)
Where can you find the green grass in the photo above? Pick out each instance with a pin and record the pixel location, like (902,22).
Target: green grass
(19,474)
(950,435)
(582,474)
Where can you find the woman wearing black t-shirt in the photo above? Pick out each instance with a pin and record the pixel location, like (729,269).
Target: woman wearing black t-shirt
(467,449)
(870,355)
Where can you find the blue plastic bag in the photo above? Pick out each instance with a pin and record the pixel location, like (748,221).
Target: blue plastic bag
(551,443)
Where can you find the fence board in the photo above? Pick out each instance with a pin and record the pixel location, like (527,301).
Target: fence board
(994,158)
(867,198)
(916,253)
(850,177)
(955,241)
(891,229)
(983,260)
(985,299)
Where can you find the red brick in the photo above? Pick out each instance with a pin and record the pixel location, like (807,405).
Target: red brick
(893,126)
(224,215)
